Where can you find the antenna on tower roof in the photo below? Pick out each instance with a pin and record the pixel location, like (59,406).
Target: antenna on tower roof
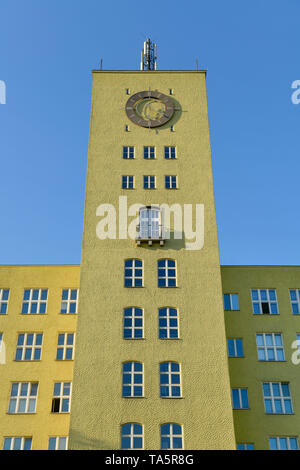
(149,56)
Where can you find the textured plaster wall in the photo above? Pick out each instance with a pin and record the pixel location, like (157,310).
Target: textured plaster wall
(98,409)
(42,424)
(254,425)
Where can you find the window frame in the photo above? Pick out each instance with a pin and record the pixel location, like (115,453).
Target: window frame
(4,302)
(281,397)
(149,150)
(128,150)
(295,302)
(39,301)
(241,399)
(62,397)
(269,302)
(65,346)
(136,280)
(168,328)
(265,347)
(133,317)
(132,435)
(18,397)
(171,436)
(24,347)
(69,301)
(131,384)
(168,384)
(167,278)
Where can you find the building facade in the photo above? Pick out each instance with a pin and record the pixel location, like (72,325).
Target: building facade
(149,343)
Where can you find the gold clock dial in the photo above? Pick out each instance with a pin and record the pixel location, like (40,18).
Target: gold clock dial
(149,108)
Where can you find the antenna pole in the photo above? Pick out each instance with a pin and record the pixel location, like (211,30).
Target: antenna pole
(149,56)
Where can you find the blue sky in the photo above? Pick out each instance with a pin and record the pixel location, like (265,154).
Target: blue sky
(251,51)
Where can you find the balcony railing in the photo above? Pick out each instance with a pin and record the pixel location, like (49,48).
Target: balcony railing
(151,235)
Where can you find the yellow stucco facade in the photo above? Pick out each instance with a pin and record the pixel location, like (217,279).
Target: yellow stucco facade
(41,424)
(219,401)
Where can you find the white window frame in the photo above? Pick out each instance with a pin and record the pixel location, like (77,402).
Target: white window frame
(245,445)
(150,223)
(4,302)
(232,309)
(295,302)
(172,436)
(170,181)
(169,373)
(131,436)
(12,443)
(168,151)
(133,317)
(24,347)
(58,442)
(131,373)
(274,347)
(168,327)
(149,150)
(65,346)
(69,301)
(127,152)
(166,276)
(288,441)
(235,346)
(62,396)
(19,398)
(148,180)
(133,275)
(281,397)
(239,390)
(39,301)
(126,182)
(268,301)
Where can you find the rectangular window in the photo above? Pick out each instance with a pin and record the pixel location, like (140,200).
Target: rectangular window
(240,398)
(127,182)
(133,273)
(235,347)
(133,323)
(295,301)
(61,397)
(69,301)
(4,295)
(171,182)
(171,436)
(17,443)
(132,436)
(149,153)
(58,443)
(170,153)
(264,301)
(168,323)
(35,301)
(270,347)
(133,379)
(128,152)
(283,443)
(149,182)
(245,446)
(23,397)
(170,380)
(231,302)
(29,347)
(277,398)
(167,273)
(65,347)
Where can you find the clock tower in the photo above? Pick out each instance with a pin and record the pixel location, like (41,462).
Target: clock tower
(151,370)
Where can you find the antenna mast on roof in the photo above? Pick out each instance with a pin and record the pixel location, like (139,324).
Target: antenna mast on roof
(149,57)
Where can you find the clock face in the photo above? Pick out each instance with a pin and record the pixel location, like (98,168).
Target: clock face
(149,108)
